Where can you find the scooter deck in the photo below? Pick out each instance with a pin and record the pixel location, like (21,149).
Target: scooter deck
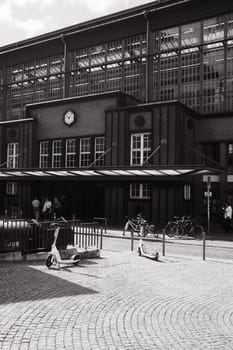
(143,253)
(69,261)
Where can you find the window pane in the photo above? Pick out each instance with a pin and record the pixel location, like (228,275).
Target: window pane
(85,152)
(190,34)
(70,153)
(140,148)
(13,155)
(44,154)
(57,154)
(213,29)
(99,151)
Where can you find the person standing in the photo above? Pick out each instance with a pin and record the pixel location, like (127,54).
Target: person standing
(47,209)
(57,208)
(227,217)
(36,208)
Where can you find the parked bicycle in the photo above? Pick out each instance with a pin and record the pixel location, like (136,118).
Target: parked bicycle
(184,226)
(140,226)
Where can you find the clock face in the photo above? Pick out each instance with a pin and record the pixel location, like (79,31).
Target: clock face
(69,118)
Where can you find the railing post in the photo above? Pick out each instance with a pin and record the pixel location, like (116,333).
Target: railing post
(101,238)
(204,244)
(163,231)
(132,240)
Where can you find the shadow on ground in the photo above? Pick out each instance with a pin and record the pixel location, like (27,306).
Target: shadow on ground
(33,281)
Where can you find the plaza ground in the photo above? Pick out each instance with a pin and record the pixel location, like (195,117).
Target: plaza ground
(119,302)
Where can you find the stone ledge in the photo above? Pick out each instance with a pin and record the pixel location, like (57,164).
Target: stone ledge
(89,253)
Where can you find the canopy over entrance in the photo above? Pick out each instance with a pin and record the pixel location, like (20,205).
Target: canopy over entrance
(120,173)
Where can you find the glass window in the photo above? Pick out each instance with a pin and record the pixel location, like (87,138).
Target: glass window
(140,148)
(13,155)
(11,188)
(187,192)
(169,39)
(70,161)
(140,191)
(44,154)
(213,77)
(211,154)
(230,25)
(213,29)
(230,154)
(99,150)
(85,152)
(57,154)
(190,34)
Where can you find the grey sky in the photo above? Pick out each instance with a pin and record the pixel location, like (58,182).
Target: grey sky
(21,19)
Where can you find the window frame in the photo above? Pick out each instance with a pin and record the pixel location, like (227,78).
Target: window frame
(84,155)
(141,190)
(72,154)
(44,157)
(142,151)
(57,156)
(13,155)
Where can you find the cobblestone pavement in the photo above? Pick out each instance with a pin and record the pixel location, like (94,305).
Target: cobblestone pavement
(120,301)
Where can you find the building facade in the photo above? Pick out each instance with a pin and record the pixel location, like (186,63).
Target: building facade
(129,112)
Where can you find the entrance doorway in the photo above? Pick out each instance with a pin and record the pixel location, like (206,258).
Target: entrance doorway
(82,200)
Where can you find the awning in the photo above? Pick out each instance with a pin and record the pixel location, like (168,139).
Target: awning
(106,173)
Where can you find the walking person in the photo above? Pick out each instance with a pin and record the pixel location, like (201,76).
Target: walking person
(227,217)
(47,209)
(57,208)
(36,208)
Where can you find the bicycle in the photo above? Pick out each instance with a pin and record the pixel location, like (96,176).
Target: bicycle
(184,226)
(140,226)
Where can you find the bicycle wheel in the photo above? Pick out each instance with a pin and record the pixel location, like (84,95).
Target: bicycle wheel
(150,230)
(49,261)
(168,229)
(197,231)
(177,230)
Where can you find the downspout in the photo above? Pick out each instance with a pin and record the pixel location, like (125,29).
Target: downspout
(65,62)
(146,16)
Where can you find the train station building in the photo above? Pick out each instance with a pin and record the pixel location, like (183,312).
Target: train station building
(131,112)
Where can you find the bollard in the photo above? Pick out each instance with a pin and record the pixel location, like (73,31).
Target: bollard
(204,245)
(163,232)
(101,238)
(132,241)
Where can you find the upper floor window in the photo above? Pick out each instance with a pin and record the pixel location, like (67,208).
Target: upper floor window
(13,155)
(140,148)
(70,161)
(99,150)
(57,154)
(85,152)
(140,191)
(44,154)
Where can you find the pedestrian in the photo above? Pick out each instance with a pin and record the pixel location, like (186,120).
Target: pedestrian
(57,208)
(36,208)
(227,217)
(47,209)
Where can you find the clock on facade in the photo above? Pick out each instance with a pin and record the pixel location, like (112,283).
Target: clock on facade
(69,117)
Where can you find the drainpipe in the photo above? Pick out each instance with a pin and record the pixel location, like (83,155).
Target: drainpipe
(65,63)
(147,87)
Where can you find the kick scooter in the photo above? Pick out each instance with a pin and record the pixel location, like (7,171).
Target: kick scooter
(142,252)
(54,257)
(141,248)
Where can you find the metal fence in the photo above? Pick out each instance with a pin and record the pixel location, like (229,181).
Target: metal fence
(29,236)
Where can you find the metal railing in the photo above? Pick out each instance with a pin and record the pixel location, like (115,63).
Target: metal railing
(29,236)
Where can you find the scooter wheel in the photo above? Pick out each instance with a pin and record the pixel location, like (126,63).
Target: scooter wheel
(49,261)
(77,258)
(139,251)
